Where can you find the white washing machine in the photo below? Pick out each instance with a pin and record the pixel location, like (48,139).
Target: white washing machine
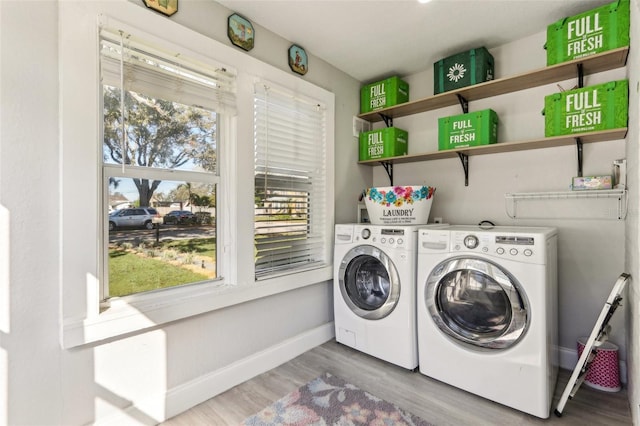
(487,312)
(374,291)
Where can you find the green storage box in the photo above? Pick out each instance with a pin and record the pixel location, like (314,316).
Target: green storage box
(464,130)
(589,109)
(591,32)
(383,143)
(382,94)
(462,69)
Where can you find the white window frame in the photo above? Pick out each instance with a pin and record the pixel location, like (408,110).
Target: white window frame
(159,82)
(81,231)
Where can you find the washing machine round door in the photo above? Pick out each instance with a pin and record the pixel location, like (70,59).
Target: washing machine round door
(369,282)
(476,303)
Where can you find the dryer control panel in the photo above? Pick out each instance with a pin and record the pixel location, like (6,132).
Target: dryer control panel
(525,248)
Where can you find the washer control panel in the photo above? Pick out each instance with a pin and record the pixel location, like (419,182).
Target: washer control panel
(517,247)
(386,237)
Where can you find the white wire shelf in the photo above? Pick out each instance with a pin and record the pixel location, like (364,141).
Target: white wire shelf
(619,197)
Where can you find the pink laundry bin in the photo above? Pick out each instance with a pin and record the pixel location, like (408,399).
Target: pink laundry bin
(604,371)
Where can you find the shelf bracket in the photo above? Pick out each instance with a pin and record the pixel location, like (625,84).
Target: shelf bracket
(388,167)
(580,76)
(388,121)
(579,149)
(463,103)
(464,159)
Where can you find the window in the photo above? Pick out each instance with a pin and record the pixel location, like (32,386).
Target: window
(160,155)
(155,66)
(290,181)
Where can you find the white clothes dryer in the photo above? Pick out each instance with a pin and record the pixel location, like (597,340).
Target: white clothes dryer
(487,312)
(374,291)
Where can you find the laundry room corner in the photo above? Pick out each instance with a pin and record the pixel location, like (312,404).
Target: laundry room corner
(591,236)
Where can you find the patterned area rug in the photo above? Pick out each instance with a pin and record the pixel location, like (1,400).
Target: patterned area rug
(329,401)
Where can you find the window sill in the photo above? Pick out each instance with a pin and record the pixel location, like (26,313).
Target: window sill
(125,317)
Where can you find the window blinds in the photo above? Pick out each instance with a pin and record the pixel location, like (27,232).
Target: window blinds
(158,73)
(290,184)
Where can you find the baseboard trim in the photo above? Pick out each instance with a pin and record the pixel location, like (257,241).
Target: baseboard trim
(190,394)
(569,359)
(199,390)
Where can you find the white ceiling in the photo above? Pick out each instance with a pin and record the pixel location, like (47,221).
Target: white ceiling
(373,39)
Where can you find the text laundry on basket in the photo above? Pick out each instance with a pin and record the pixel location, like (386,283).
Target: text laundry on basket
(399,205)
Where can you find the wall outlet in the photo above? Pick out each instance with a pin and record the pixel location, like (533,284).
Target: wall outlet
(360,125)
(437,220)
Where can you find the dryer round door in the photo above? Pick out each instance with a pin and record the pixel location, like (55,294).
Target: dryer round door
(369,282)
(477,303)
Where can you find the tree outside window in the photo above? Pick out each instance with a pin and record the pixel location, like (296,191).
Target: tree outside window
(160,157)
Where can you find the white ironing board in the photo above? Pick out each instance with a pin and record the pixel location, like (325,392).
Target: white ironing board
(599,335)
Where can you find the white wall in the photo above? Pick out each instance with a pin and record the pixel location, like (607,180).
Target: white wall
(632,240)
(591,252)
(145,376)
(30,356)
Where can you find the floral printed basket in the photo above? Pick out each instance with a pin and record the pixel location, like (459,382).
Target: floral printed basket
(399,205)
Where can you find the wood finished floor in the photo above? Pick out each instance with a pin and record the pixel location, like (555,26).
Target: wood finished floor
(434,401)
